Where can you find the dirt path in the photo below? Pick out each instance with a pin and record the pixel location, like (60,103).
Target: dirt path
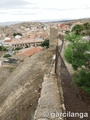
(72,98)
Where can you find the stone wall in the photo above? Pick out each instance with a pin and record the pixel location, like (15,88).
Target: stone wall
(50,101)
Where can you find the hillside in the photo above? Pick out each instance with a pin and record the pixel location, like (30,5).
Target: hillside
(20,92)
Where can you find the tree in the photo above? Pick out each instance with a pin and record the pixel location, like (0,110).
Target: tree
(7,55)
(17,48)
(82,79)
(77,29)
(87,25)
(2,48)
(45,43)
(17,34)
(87,28)
(82,29)
(77,54)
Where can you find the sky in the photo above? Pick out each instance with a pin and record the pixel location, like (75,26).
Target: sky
(38,10)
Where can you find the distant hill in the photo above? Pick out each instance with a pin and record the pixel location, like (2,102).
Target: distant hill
(8,23)
(46,21)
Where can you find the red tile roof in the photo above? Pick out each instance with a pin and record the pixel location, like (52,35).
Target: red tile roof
(32,51)
(62,25)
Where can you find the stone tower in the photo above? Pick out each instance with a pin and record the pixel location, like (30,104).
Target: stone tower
(53,36)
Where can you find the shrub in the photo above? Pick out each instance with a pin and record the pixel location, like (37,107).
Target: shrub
(17,34)
(78,55)
(78,28)
(7,55)
(2,48)
(76,52)
(82,79)
(45,43)
(18,48)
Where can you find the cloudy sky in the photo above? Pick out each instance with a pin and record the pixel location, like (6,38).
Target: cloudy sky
(29,10)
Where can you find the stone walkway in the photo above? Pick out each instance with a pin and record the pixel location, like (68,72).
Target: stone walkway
(49,104)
